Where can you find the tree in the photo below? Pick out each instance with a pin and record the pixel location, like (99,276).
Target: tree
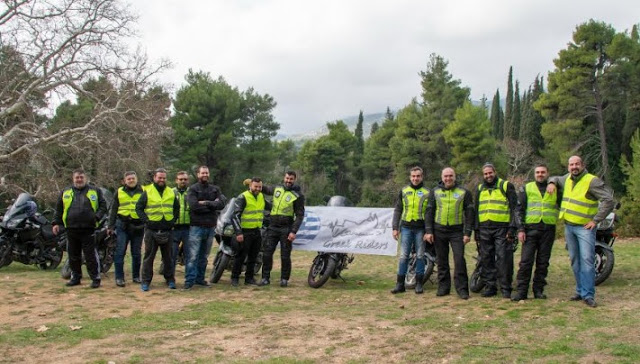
(516,118)
(470,140)
(59,45)
(51,50)
(207,114)
(580,90)
(508,109)
(378,169)
(497,117)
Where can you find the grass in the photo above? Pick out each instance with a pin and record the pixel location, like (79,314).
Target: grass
(356,321)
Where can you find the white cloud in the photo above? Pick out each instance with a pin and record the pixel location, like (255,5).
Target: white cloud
(322,60)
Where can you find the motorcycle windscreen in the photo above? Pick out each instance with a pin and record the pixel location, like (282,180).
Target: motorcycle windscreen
(22,208)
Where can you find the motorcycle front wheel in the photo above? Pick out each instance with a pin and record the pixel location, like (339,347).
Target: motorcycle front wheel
(65,271)
(52,258)
(219,264)
(475,283)
(321,269)
(5,253)
(603,262)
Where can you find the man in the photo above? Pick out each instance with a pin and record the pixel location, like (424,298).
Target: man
(79,208)
(287,213)
(204,200)
(497,222)
(539,214)
(128,227)
(159,209)
(409,223)
(449,221)
(249,214)
(181,227)
(585,202)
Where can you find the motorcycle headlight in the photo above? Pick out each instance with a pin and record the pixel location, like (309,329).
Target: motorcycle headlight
(228,231)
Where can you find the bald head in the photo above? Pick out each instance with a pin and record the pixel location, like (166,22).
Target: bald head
(575,165)
(448,177)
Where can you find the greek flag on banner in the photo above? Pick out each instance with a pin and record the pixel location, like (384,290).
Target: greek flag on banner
(360,230)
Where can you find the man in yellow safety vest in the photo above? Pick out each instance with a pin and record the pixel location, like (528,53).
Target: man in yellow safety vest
(585,202)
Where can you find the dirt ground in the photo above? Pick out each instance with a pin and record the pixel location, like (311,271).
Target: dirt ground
(352,321)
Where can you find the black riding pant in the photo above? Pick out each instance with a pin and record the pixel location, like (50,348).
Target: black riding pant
(275,236)
(154,240)
(496,254)
(442,241)
(248,250)
(82,241)
(536,248)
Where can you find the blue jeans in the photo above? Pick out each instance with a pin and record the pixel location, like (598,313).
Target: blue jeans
(180,235)
(581,244)
(198,249)
(411,237)
(123,237)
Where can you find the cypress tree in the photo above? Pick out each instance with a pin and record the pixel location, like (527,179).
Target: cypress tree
(496,117)
(508,107)
(516,113)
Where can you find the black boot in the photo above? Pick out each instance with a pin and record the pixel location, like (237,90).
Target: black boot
(399,285)
(419,280)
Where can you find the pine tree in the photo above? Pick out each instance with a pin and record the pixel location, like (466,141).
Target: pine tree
(508,108)
(496,117)
(516,117)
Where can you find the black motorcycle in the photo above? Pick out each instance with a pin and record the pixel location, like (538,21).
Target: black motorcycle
(229,247)
(327,264)
(429,266)
(605,237)
(27,236)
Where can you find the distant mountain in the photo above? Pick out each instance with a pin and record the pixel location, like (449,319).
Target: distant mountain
(351,121)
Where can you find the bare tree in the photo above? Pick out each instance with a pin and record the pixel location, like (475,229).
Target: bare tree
(49,51)
(519,155)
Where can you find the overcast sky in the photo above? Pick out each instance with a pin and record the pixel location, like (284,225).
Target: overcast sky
(324,60)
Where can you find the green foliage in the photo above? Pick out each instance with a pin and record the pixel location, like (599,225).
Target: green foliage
(630,209)
(469,137)
(378,187)
(227,130)
(326,164)
(497,117)
(508,108)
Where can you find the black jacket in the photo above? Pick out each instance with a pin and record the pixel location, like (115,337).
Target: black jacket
(514,208)
(397,222)
(282,222)
(240,204)
(468,212)
(156,225)
(115,205)
(542,187)
(205,215)
(80,214)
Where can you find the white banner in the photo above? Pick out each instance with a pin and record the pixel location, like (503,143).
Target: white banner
(360,230)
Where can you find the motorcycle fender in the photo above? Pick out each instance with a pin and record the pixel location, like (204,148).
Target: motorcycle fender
(226,249)
(604,246)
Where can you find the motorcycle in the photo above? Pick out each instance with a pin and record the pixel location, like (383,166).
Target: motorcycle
(327,264)
(429,266)
(105,244)
(27,236)
(605,237)
(229,247)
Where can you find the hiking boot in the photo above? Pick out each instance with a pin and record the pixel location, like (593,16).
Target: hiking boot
(73,282)
(539,295)
(590,302)
(95,283)
(144,287)
(519,297)
(264,282)
(171,285)
(120,282)
(399,288)
(419,279)
(284,282)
